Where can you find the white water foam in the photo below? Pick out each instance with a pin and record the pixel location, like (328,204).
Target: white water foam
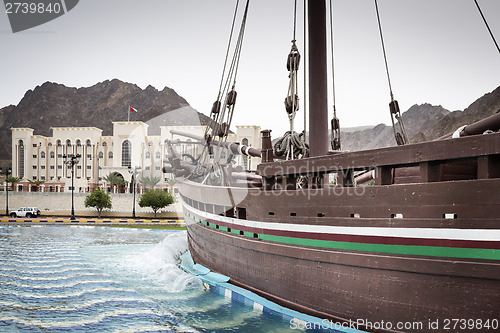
(67,295)
(161,265)
(74,306)
(96,319)
(54,271)
(157,328)
(56,278)
(57,285)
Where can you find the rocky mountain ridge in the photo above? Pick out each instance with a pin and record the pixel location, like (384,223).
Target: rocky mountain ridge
(423,122)
(53,104)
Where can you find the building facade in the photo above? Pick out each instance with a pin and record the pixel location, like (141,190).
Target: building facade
(41,162)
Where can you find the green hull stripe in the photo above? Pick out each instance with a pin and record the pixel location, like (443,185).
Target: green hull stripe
(433,251)
(419,250)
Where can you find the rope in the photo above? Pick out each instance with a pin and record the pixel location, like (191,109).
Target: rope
(333,62)
(305,75)
(294,18)
(291,146)
(383,49)
(228,48)
(335,123)
(401,137)
(240,42)
(487,26)
(223,112)
(291,141)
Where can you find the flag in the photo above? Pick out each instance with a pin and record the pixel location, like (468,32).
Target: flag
(132,109)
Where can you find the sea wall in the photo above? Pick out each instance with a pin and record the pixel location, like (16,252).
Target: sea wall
(59,204)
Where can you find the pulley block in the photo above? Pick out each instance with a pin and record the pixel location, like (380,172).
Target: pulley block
(223,130)
(335,135)
(399,139)
(216,107)
(335,123)
(293,61)
(231,98)
(292,103)
(394,107)
(208,143)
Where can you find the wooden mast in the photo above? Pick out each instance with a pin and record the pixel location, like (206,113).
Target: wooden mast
(318,100)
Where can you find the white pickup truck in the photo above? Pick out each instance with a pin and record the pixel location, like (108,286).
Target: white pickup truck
(26,212)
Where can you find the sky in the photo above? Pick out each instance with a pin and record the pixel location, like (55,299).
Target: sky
(438,52)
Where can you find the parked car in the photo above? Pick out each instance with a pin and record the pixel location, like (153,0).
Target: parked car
(26,212)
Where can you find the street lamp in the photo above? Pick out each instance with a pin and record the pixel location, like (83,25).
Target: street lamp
(7,173)
(134,175)
(73,159)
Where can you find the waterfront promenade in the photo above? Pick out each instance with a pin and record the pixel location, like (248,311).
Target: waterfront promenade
(91,221)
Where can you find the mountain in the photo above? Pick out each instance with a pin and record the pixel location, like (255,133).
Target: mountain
(423,122)
(487,105)
(55,105)
(416,119)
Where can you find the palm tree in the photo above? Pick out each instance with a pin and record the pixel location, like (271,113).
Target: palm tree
(149,181)
(171,182)
(115,179)
(13,181)
(37,183)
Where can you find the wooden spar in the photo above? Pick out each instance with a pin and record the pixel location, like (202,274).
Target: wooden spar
(235,148)
(491,123)
(318,101)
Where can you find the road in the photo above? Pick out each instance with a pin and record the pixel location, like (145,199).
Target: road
(90,221)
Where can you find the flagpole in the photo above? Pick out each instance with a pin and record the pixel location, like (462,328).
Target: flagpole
(128,114)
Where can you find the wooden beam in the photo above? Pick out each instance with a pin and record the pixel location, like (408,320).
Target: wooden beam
(400,156)
(430,172)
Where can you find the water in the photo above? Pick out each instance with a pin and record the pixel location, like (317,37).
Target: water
(60,279)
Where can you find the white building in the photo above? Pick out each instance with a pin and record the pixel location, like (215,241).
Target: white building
(41,161)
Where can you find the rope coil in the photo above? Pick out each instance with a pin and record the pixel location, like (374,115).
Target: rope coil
(291,146)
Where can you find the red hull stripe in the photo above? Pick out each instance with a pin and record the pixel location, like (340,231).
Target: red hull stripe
(366,239)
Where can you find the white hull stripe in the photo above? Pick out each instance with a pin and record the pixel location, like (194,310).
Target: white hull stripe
(423,233)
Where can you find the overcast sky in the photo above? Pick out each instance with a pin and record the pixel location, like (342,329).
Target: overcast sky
(439,51)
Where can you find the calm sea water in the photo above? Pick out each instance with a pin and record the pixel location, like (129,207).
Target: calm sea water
(76,279)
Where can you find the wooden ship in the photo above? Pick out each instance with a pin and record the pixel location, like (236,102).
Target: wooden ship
(405,234)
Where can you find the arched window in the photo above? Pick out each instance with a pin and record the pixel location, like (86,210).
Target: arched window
(104,144)
(148,155)
(42,154)
(21,159)
(58,143)
(110,155)
(126,153)
(158,155)
(52,155)
(68,143)
(89,143)
(101,155)
(244,158)
(78,143)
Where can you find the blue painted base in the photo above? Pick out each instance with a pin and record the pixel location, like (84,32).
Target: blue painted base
(220,284)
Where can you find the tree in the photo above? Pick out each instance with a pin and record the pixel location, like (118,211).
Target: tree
(149,181)
(98,199)
(115,179)
(171,182)
(156,199)
(13,181)
(37,183)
